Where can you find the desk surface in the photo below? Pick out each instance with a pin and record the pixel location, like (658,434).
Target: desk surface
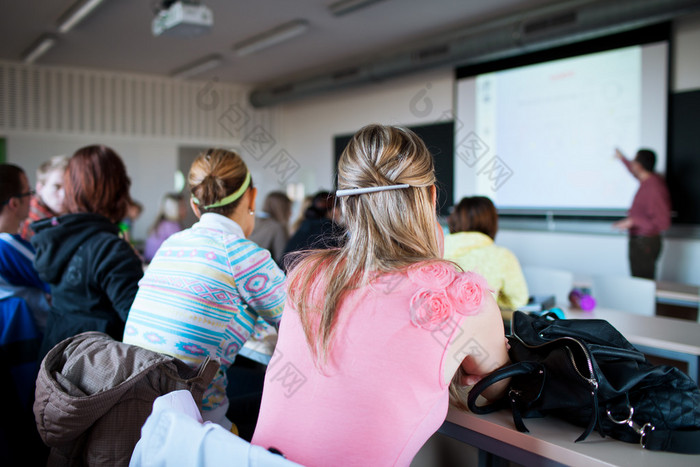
(552,439)
(673,334)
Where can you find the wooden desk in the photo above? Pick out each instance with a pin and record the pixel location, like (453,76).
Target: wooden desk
(676,339)
(550,442)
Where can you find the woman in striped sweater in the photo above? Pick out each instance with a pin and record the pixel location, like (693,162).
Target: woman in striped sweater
(208,285)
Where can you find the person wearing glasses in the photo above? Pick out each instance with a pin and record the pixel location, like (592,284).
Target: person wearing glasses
(24,307)
(18,278)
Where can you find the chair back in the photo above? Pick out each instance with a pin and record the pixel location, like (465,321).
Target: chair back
(625,293)
(549,281)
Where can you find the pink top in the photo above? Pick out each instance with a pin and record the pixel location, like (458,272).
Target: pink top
(383,393)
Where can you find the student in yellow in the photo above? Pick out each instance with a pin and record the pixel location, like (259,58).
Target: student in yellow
(473,225)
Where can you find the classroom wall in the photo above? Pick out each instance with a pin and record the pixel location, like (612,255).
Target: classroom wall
(308,128)
(147,120)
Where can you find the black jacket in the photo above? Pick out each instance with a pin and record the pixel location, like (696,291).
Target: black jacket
(92,272)
(317,233)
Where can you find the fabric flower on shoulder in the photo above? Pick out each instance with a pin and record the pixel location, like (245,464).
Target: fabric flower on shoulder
(467,292)
(435,275)
(430,309)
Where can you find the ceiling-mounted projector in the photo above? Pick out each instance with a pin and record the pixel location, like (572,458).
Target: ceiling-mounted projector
(182,18)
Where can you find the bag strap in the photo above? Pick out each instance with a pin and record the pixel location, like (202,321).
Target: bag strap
(207,370)
(515,369)
(681,441)
(513,396)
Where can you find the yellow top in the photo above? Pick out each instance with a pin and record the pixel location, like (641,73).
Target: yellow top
(474,251)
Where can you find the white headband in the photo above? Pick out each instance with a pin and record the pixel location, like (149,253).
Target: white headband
(372,189)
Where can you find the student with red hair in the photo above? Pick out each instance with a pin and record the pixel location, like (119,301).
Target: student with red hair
(93,272)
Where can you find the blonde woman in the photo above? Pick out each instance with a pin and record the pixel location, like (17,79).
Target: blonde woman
(206,286)
(375,331)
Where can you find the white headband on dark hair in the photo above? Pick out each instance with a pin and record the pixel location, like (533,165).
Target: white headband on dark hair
(371,189)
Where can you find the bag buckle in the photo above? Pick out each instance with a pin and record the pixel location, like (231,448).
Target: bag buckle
(642,430)
(643,433)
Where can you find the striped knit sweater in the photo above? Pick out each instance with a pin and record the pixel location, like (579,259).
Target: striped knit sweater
(202,295)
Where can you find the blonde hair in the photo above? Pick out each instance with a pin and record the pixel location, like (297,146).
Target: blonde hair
(59,162)
(387,231)
(214,175)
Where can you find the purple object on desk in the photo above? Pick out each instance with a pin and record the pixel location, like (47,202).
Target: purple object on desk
(582,300)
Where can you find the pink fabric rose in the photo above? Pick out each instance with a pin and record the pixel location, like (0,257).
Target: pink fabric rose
(430,310)
(434,275)
(467,292)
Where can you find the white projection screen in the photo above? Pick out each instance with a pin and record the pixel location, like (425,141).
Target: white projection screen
(542,137)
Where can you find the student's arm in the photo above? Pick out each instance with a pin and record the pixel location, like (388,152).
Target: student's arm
(118,271)
(16,265)
(480,347)
(260,282)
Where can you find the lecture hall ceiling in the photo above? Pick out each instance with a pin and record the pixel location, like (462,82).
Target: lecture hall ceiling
(117,34)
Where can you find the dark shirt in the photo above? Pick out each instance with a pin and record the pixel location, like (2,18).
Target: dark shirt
(315,234)
(92,272)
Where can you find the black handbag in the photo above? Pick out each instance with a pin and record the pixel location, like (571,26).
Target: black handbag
(586,372)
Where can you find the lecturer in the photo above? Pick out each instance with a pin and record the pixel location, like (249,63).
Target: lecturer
(649,215)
